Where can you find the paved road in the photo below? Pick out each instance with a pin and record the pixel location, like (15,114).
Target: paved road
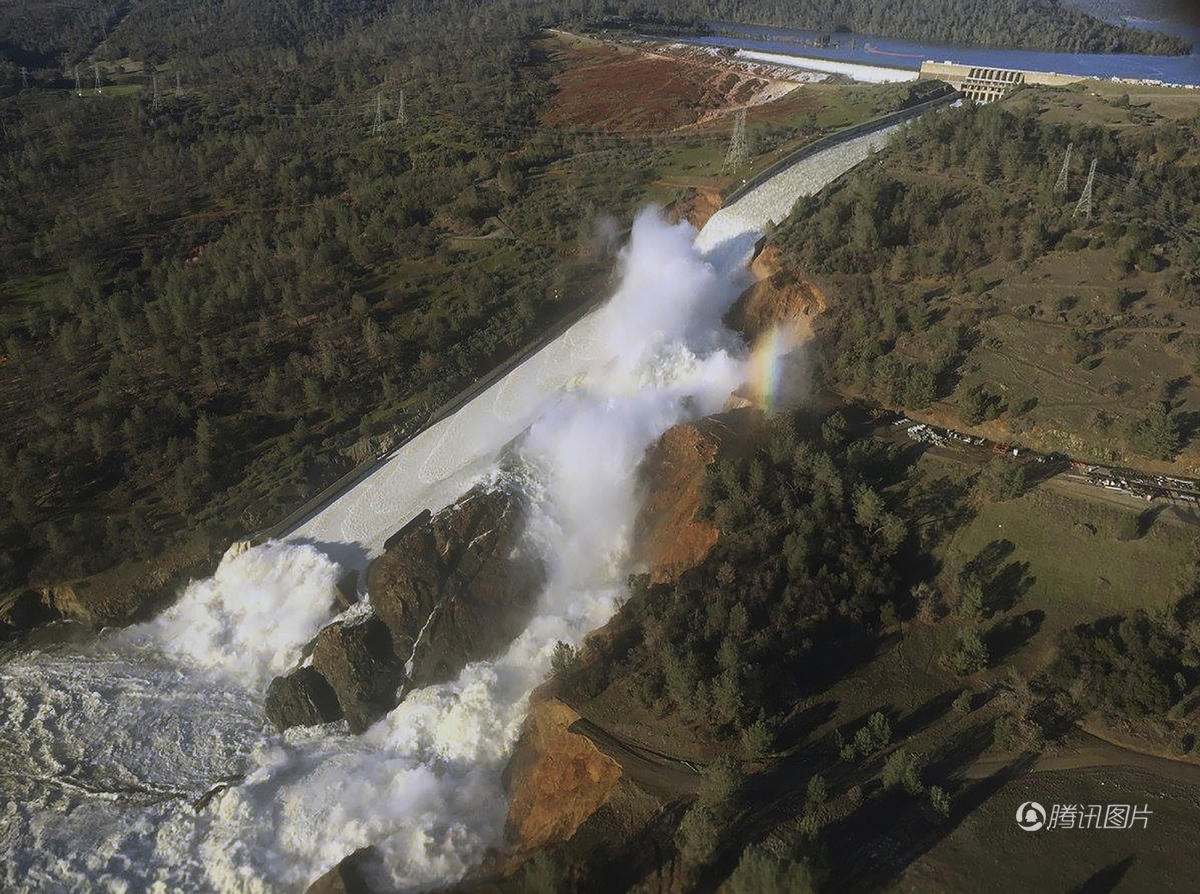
(439,465)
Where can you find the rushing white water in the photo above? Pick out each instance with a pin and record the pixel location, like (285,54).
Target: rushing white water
(115,743)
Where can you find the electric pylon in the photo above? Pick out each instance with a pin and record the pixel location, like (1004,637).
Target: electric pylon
(178,84)
(78,88)
(1061,184)
(24,78)
(155,96)
(402,112)
(1084,205)
(739,152)
(96,74)
(377,127)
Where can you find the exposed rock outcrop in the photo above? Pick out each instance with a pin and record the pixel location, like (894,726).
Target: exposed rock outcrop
(345,878)
(120,595)
(669,536)
(357,660)
(458,588)
(556,779)
(778,298)
(301,698)
(449,589)
(695,205)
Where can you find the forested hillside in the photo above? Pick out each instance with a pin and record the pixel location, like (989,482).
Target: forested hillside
(216,300)
(54,36)
(966,282)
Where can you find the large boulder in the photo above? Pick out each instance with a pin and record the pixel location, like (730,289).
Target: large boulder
(357,660)
(459,587)
(301,698)
(345,878)
(449,589)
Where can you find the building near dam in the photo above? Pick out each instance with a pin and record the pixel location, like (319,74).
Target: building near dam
(986,85)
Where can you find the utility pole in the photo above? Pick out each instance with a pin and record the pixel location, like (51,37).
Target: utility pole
(738,153)
(1084,205)
(1061,184)
(377,127)
(96,74)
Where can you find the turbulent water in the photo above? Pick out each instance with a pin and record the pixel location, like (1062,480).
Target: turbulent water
(104,751)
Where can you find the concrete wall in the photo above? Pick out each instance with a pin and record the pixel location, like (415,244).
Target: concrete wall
(989,84)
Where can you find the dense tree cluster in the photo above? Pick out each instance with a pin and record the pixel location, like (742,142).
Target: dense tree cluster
(210,301)
(815,532)
(969,187)
(1133,666)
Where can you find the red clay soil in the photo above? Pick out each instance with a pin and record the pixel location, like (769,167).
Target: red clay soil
(670,538)
(619,89)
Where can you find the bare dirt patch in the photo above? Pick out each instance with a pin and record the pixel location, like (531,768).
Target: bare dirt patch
(621,88)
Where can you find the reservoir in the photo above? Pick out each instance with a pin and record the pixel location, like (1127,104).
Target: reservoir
(904,54)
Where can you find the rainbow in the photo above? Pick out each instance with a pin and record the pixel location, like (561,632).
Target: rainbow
(766,365)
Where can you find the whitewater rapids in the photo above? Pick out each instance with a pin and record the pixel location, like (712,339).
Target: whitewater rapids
(107,748)
(104,750)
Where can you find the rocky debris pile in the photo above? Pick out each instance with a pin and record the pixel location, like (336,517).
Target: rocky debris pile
(450,589)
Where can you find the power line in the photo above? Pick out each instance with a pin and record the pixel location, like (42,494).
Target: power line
(377,127)
(1061,184)
(1084,206)
(739,152)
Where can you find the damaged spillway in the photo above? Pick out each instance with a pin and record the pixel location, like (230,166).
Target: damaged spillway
(146,758)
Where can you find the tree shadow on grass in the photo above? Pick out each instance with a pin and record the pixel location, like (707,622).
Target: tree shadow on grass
(1106,879)
(878,843)
(1009,635)
(1003,583)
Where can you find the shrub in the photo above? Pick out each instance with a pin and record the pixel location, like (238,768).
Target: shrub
(939,801)
(698,836)
(761,872)
(903,769)
(758,738)
(563,659)
(967,655)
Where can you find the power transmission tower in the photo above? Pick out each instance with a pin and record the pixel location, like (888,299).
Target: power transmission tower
(78,88)
(1061,184)
(156,97)
(178,86)
(377,127)
(402,112)
(24,78)
(738,153)
(96,74)
(1084,205)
